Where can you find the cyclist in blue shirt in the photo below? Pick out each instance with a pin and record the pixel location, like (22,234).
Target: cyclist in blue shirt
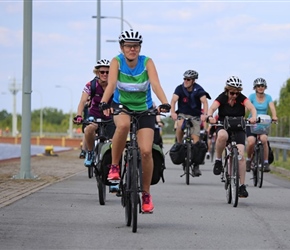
(190,98)
(262,103)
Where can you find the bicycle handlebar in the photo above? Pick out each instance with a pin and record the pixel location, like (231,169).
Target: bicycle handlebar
(97,121)
(117,111)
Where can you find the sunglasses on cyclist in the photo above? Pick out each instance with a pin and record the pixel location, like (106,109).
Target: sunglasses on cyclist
(234,93)
(260,85)
(187,79)
(103,72)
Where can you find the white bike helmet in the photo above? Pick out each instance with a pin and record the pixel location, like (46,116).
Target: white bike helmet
(259,81)
(130,36)
(234,82)
(102,63)
(190,74)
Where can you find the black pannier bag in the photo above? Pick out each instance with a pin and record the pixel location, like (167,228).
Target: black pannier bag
(106,161)
(270,155)
(198,152)
(236,123)
(159,164)
(177,153)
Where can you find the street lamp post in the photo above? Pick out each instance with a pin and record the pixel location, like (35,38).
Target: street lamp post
(116,17)
(71,110)
(14,89)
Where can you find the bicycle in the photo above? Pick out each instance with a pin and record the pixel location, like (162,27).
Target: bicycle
(130,186)
(96,167)
(230,172)
(188,164)
(257,166)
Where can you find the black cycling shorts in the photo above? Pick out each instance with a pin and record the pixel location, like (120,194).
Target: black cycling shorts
(144,121)
(240,136)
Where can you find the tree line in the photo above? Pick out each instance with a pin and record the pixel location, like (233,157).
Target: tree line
(55,121)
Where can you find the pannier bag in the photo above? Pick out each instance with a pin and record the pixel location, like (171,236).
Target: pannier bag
(198,152)
(271,154)
(236,123)
(106,161)
(159,164)
(177,153)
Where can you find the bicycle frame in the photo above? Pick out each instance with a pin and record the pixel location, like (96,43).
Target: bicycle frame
(100,140)
(258,163)
(131,178)
(188,167)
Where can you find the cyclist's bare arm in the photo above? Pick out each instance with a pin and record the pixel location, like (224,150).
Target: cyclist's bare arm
(173,102)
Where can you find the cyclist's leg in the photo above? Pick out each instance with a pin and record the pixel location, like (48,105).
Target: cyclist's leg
(90,135)
(240,139)
(221,140)
(145,138)
(122,123)
(195,132)
(264,140)
(179,131)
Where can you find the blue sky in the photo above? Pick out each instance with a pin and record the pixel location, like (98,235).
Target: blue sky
(218,39)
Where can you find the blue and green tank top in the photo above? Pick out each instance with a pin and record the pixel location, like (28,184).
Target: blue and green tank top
(133,87)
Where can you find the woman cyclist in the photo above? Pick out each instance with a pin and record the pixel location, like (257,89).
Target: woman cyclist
(131,78)
(262,102)
(231,103)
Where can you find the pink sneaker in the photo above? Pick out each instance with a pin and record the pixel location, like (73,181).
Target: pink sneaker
(114,173)
(147,203)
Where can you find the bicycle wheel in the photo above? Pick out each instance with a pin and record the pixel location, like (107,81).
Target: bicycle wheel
(187,162)
(235,177)
(255,168)
(134,189)
(101,190)
(260,162)
(126,193)
(90,171)
(98,172)
(227,180)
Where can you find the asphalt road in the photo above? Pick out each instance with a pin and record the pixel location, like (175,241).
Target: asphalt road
(67,215)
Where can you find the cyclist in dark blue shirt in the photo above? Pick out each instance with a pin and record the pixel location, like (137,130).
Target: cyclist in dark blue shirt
(191,98)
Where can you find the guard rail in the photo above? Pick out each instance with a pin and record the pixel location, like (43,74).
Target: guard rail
(280,143)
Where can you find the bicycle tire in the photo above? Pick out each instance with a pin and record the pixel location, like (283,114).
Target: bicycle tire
(235,177)
(134,189)
(227,180)
(101,186)
(101,191)
(90,171)
(255,167)
(127,200)
(187,163)
(260,170)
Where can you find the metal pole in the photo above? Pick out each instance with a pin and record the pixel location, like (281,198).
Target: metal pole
(14,88)
(98,30)
(26,93)
(122,15)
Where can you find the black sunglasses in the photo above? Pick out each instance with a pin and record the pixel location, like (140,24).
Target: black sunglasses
(103,72)
(234,93)
(187,79)
(260,85)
